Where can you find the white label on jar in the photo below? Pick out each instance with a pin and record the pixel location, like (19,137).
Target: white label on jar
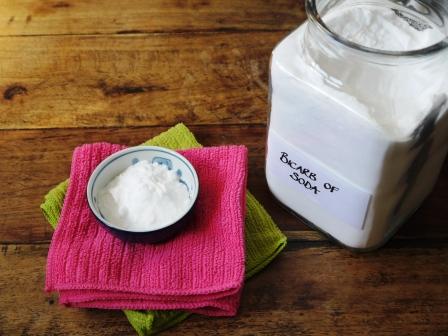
(299,170)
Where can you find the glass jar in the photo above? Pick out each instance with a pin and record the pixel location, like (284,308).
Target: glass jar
(358,124)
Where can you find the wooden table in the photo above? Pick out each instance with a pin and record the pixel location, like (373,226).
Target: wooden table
(79,71)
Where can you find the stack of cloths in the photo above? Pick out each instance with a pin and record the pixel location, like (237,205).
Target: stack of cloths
(201,269)
(263,240)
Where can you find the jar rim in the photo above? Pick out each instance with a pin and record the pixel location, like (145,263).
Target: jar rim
(314,16)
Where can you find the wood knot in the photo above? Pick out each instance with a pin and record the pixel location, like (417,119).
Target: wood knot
(61,4)
(127,89)
(14,90)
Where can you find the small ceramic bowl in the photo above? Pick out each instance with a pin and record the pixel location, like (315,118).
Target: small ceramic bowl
(117,163)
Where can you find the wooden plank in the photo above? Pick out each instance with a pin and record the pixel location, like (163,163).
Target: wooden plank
(26,310)
(31,17)
(33,161)
(97,81)
(36,160)
(317,290)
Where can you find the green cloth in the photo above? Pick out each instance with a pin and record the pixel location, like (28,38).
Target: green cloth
(264,241)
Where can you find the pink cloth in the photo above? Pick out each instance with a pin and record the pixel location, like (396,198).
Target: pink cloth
(200,270)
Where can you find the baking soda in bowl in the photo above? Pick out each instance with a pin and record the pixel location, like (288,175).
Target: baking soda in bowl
(144,197)
(358,123)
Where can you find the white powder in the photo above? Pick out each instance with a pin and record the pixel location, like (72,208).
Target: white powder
(382,28)
(351,80)
(362,124)
(144,197)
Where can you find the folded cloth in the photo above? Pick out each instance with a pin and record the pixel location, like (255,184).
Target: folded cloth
(200,270)
(264,241)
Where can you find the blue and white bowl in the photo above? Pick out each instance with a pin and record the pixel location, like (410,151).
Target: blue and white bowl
(118,162)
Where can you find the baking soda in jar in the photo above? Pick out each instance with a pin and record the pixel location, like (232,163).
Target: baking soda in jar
(358,125)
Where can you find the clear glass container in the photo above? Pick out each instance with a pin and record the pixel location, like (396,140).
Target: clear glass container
(358,123)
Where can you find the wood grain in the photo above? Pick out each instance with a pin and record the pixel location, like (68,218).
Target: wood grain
(36,160)
(309,290)
(26,310)
(33,17)
(33,161)
(97,81)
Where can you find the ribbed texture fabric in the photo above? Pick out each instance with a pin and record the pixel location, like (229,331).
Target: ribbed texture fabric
(264,241)
(53,202)
(201,269)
